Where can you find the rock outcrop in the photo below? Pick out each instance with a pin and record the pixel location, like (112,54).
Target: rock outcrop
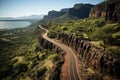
(93,56)
(109,9)
(113,11)
(98,10)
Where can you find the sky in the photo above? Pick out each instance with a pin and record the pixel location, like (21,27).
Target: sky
(19,8)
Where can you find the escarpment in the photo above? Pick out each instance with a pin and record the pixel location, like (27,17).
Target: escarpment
(98,10)
(113,11)
(93,56)
(109,9)
(56,70)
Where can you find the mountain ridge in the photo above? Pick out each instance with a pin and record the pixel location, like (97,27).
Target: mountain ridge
(78,11)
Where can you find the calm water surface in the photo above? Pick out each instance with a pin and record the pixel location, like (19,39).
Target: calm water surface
(13,24)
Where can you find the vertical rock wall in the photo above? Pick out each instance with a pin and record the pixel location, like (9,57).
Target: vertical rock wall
(93,56)
(109,9)
(98,10)
(113,11)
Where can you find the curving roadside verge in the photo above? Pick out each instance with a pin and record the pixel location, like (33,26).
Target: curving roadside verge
(73,69)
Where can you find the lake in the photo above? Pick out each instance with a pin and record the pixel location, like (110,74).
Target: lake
(13,24)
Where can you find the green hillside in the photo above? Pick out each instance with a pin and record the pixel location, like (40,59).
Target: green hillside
(19,58)
(103,35)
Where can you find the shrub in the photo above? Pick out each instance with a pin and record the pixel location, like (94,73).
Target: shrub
(52,34)
(41,72)
(53,57)
(114,51)
(20,67)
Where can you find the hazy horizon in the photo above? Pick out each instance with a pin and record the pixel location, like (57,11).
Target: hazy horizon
(20,8)
(24,16)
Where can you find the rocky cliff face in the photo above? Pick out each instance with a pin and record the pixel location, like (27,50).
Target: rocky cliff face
(98,10)
(109,9)
(113,11)
(93,56)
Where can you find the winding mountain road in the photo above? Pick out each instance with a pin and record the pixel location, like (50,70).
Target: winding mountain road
(74,74)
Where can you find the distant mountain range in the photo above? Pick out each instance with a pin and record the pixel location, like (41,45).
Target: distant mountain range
(77,12)
(39,17)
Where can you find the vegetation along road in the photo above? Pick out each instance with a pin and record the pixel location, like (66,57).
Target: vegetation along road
(74,75)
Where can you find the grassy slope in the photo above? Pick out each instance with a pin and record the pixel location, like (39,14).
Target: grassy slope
(101,34)
(18,58)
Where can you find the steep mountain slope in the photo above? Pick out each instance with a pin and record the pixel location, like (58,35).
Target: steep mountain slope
(80,10)
(77,12)
(109,9)
(98,10)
